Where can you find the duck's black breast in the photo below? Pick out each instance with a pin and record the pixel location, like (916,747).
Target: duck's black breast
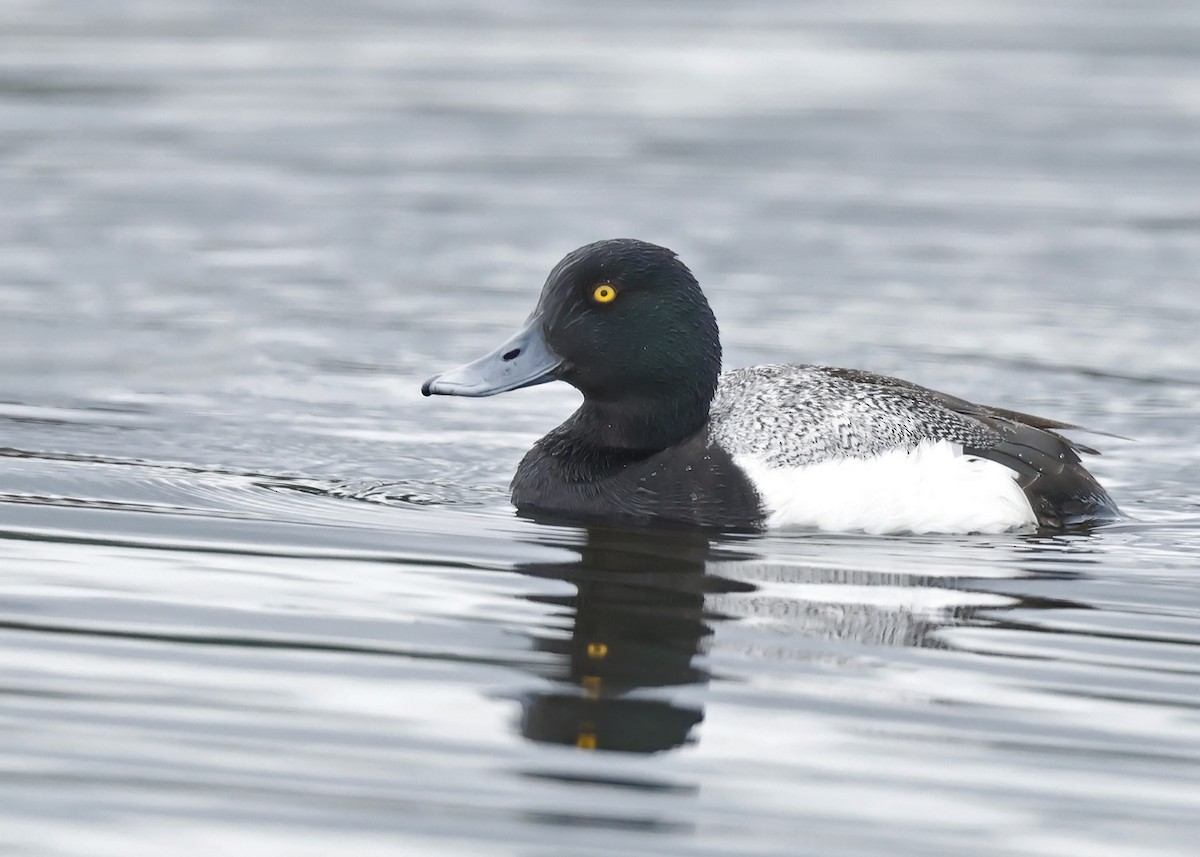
(693,482)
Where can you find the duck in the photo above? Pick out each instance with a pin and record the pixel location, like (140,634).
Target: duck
(663,437)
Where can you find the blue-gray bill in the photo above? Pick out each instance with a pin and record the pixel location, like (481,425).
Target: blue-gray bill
(524,360)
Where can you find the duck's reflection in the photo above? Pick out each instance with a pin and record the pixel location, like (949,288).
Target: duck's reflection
(646,602)
(639,624)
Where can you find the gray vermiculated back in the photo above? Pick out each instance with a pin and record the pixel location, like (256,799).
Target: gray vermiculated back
(791,415)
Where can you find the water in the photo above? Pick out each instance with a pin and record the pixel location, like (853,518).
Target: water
(260,597)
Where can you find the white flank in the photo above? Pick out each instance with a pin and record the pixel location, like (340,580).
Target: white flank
(933,488)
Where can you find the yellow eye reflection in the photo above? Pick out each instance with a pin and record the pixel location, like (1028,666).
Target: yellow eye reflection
(604,293)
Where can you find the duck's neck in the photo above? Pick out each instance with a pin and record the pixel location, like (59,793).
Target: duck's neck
(634,425)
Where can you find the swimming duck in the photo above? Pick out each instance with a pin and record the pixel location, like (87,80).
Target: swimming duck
(664,436)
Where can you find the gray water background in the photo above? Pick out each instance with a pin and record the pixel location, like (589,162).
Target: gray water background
(257,596)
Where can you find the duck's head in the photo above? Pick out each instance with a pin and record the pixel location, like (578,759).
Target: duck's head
(623,321)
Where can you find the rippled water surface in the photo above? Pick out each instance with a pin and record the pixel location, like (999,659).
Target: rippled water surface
(257,596)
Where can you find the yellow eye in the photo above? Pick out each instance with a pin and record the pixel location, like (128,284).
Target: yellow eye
(604,293)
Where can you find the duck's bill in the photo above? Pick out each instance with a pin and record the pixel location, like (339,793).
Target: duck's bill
(522,361)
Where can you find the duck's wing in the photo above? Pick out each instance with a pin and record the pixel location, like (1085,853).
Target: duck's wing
(1060,489)
(1048,465)
(847,412)
(1001,420)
